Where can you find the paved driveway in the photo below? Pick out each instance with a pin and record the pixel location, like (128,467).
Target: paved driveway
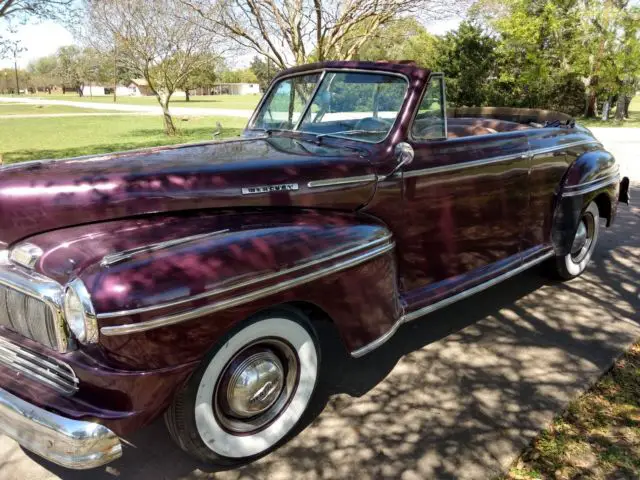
(456,394)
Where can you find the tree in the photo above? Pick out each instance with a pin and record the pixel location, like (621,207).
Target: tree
(263,71)
(12,49)
(468,59)
(244,75)
(402,39)
(44,72)
(76,67)
(158,40)
(567,54)
(293,32)
(37,8)
(204,76)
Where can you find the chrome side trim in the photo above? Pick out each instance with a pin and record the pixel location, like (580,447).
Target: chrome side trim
(118,257)
(555,148)
(489,161)
(408,317)
(591,186)
(461,166)
(247,283)
(69,443)
(46,370)
(42,288)
(249,297)
(331,182)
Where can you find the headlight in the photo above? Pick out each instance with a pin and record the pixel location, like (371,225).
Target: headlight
(79,313)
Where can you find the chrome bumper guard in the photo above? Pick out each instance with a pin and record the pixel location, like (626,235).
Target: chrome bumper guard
(69,443)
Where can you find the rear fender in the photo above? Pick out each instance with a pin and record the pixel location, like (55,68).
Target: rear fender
(593,176)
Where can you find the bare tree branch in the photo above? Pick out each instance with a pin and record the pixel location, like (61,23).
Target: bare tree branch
(290,32)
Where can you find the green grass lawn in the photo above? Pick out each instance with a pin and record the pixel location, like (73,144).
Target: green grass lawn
(598,437)
(632,121)
(238,102)
(37,138)
(20,109)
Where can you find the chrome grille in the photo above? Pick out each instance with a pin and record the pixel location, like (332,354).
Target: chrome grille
(46,370)
(27,316)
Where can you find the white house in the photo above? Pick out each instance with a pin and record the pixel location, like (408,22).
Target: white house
(103,91)
(235,89)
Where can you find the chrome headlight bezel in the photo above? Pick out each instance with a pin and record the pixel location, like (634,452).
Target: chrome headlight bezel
(79,312)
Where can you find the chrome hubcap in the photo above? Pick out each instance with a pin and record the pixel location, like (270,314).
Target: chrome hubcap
(583,241)
(580,238)
(256,386)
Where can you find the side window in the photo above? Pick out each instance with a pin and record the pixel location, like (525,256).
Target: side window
(430,122)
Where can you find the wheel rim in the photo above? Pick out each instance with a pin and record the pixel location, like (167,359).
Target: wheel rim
(255,386)
(583,239)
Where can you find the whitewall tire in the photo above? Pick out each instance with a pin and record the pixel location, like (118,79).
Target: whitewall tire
(584,243)
(250,392)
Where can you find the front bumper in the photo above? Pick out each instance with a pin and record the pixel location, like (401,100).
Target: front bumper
(70,443)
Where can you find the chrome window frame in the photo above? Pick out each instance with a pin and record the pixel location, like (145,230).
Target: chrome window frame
(443,93)
(323,72)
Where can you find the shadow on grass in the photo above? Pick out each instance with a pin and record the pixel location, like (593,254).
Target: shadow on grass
(143,138)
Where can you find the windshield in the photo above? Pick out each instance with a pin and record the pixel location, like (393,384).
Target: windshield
(355,105)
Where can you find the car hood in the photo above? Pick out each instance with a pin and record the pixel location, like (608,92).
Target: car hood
(258,172)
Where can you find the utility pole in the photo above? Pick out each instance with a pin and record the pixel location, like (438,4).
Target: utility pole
(115,68)
(15,68)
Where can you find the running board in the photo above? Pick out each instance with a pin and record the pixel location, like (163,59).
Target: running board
(408,317)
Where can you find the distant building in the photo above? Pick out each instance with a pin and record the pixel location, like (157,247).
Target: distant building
(235,89)
(140,87)
(102,91)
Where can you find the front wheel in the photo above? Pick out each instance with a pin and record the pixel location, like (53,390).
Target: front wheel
(584,243)
(249,393)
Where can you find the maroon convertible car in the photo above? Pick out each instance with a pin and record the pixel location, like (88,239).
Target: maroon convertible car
(188,281)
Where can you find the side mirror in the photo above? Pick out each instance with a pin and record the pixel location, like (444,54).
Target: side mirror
(404,156)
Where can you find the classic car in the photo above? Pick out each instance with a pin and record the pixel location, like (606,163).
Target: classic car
(188,281)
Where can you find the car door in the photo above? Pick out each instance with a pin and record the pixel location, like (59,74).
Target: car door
(464,199)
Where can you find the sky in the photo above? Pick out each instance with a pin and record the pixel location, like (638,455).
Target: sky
(40,39)
(45,38)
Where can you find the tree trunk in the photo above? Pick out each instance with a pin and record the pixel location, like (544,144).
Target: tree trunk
(169,127)
(606,109)
(186,94)
(592,106)
(627,103)
(620,107)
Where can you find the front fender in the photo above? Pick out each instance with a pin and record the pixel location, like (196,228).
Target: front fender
(166,289)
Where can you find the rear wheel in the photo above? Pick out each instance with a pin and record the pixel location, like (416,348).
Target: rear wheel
(250,392)
(584,243)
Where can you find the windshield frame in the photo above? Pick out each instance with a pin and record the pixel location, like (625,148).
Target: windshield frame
(323,73)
